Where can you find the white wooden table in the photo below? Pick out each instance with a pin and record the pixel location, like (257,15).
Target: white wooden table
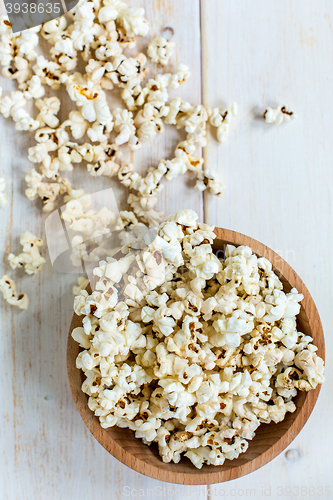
(279,183)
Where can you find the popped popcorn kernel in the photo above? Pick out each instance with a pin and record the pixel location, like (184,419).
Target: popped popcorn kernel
(279,115)
(160,50)
(30,258)
(8,290)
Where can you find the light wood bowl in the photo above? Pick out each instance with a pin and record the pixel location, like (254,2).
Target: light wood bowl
(270,440)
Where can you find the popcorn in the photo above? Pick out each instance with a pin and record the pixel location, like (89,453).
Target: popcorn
(107,13)
(20,72)
(160,50)
(77,124)
(92,229)
(6,50)
(312,366)
(26,42)
(206,180)
(148,123)
(130,19)
(278,115)
(133,94)
(48,108)
(181,76)
(89,98)
(49,72)
(82,285)
(33,88)
(30,258)
(3,195)
(282,306)
(12,105)
(47,191)
(8,289)
(189,350)
(52,28)
(221,120)
(124,125)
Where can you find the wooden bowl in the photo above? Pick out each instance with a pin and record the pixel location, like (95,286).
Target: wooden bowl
(270,440)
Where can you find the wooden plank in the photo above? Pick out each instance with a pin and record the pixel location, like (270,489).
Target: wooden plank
(46,450)
(278,179)
(184,19)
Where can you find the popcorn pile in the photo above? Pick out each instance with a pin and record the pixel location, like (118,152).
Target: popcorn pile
(93,133)
(190,350)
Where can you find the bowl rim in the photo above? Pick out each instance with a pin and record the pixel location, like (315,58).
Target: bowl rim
(216,475)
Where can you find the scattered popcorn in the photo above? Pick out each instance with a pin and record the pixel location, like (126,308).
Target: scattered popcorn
(98,34)
(3,195)
(189,350)
(8,289)
(30,258)
(279,115)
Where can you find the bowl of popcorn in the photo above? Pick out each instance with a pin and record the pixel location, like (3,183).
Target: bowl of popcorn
(196,357)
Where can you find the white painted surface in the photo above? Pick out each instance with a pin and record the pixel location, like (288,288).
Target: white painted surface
(279,179)
(278,190)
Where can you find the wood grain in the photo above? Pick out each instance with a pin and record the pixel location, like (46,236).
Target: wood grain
(270,439)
